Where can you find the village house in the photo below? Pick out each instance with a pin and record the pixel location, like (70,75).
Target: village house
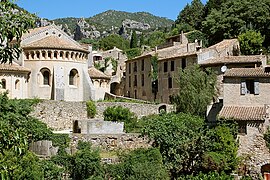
(246,101)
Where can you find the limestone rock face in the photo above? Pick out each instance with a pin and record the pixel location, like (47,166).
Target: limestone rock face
(84,30)
(131,24)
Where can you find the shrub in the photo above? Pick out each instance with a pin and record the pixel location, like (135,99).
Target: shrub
(91,109)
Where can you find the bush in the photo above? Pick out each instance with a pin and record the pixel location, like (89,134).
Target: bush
(91,109)
(121,114)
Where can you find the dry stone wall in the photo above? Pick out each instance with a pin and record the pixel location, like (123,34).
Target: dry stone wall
(60,115)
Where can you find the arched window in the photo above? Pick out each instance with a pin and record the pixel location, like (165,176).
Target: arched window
(17,84)
(3,84)
(46,76)
(73,77)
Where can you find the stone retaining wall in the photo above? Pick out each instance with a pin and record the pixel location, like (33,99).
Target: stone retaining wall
(60,115)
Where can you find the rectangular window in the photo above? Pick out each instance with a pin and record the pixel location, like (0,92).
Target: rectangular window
(135,67)
(129,81)
(172,65)
(165,66)
(142,79)
(143,65)
(129,68)
(249,86)
(184,63)
(135,80)
(170,83)
(242,128)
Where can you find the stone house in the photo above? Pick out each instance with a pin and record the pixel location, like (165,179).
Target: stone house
(172,56)
(51,66)
(246,101)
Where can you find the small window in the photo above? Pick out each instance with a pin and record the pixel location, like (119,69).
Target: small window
(249,86)
(165,66)
(17,84)
(143,65)
(135,67)
(3,84)
(46,78)
(73,77)
(142,79)
(55,55)
(169,82)
(135,80)
(129,68)
(172,65)
(242,128)
(184,63)
(129,81)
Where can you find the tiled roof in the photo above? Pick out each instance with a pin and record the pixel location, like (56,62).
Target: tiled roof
(54,42)
(177,55)
(13,67)
(97,74)
(233,60)
(247,72)
(242,113)
(221,45)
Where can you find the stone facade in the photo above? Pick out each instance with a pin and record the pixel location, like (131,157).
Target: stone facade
(60,115)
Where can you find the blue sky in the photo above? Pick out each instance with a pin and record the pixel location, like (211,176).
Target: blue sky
(52,9)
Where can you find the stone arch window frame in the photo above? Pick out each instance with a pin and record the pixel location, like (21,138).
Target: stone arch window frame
(38,54)
(27,55)
(73,77)
(55,54)
(43,54)
(62,55)
(17,84)
(3,83)
(46,76)
(50,54)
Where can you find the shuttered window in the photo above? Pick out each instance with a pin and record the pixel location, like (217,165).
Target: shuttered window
(250,86)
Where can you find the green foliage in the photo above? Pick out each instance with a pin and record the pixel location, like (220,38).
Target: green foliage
(93,42)
(91,109)
(156,38)
(86,162)
(106,63)
(60,140)
(191,14)
(154,69)
(197,89)
(197,35)
(51,170)
(267,137)
(13,24)
(134,52)
(180,140)
(251,42)
(112,41)
(114,64)
(133,40)
(97,65)
(144,164)
(209,176)
(189,147)
(121,114)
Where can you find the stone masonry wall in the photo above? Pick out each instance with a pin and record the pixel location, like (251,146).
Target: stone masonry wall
(59,115)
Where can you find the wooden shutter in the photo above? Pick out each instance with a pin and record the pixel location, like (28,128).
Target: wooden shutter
(256,87)
(243,87)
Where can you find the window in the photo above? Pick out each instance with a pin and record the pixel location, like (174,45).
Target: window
(46,76)
(135,80)
(165,66)
(142,79)
(3,84)
(169,82)
(129,68)
(242,128)
(143,65)
(17,84)
(249,86)
(184,63)
(135,67)
(129,81)
(73,77)
(172,65)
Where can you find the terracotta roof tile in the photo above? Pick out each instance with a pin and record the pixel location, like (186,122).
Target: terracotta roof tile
(247,72)
(221,45)
(233,60)
(13,67)
(97,74)
(54,42)
(242,113)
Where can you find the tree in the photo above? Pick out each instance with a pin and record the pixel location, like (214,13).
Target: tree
(251,42)
(196,90)
(180,140)
(112,41)
(13,23)
(156,38)
(191,14)
(140,164)
(134,40)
